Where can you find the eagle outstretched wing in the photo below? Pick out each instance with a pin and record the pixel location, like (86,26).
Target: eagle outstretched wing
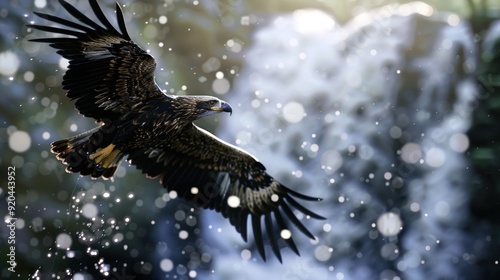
(107,73)
(216,175)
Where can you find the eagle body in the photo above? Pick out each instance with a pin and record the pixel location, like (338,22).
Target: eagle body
(111,79)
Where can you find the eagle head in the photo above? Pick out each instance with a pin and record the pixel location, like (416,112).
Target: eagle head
(202,106)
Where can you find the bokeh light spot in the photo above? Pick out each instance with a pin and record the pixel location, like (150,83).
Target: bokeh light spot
(89,210)
(166,265)
(293,112)
(411,153)
(322,253)
(233,201)
(389,224)
(40,4)
(10,63)
(63,241)
(19,141)
(221,86)
(459,142)
(435,157)
(246,254)
(286,234)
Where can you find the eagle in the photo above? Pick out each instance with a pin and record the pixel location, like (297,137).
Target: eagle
(111,79)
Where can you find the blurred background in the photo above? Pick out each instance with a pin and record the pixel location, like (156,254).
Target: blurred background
(388,110)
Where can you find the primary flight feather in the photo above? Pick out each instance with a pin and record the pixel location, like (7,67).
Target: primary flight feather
(111,79)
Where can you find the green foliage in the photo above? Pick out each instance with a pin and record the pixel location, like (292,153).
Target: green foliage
(485,135)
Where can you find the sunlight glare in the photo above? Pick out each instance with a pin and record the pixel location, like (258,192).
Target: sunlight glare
(312,21)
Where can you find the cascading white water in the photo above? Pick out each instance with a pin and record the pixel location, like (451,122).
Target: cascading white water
(372,116)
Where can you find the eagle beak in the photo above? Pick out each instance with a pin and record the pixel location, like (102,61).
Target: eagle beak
(224,107)
(227,108)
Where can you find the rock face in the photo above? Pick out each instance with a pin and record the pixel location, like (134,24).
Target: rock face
(371,116)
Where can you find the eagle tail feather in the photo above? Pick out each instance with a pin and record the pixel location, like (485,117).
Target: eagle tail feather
(75,153)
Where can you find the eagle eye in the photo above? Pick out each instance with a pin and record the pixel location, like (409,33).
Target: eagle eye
(212,103)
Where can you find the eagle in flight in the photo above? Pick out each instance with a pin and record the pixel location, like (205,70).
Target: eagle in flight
(111,79)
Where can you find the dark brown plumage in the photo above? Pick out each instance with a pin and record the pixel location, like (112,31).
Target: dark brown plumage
(111,80)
